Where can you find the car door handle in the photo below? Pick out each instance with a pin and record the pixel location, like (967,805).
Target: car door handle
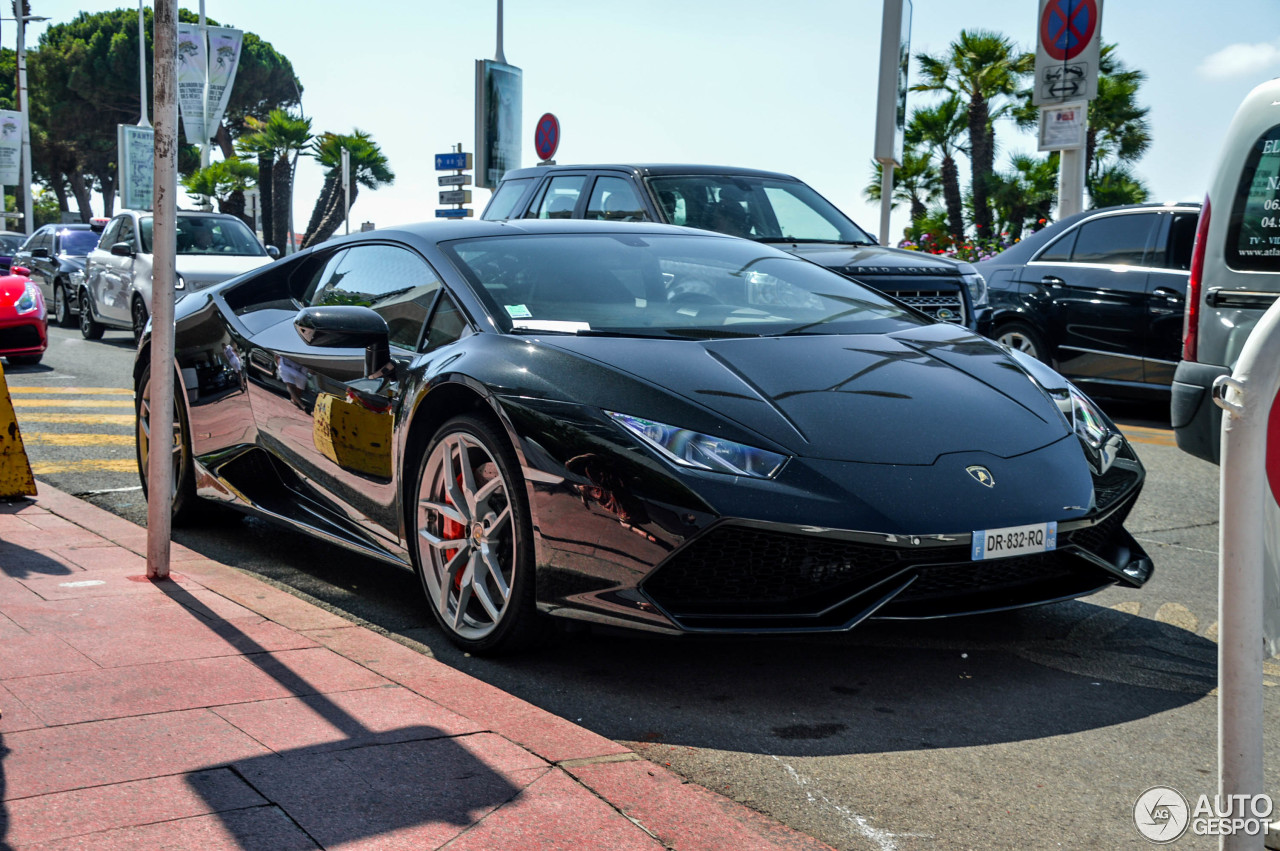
(1052,280)
(1166,292)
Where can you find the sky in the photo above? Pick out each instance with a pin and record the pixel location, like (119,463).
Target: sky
(787,87)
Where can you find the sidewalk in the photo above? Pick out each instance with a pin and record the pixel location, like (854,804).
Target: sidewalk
(214,711)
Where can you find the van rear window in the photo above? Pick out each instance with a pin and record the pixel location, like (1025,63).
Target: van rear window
(1253,233)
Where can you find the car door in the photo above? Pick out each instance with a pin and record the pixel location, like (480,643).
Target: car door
(1167,294)
(316,408)
(110,287)
(37,261)
(1095,278)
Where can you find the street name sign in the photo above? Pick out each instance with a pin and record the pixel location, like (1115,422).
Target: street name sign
(456,196)
(452,161)
(453,179)
(454,213)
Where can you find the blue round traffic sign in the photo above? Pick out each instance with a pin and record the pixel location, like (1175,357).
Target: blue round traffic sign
(546,138)
(1067,26)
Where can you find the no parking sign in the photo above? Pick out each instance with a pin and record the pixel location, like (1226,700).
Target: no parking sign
(1068,42)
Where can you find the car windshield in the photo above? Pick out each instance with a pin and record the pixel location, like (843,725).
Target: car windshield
(665,286)
(10,243)
(227,237)
(761,208)
(77,243)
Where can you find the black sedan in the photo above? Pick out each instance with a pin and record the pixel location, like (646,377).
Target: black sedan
(640,425)
(55,255)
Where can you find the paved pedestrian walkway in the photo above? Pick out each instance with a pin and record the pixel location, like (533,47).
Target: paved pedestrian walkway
(214,711)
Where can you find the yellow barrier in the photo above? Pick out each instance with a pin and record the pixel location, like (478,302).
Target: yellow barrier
(15,470)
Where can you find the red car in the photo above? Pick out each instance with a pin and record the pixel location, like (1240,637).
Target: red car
(24,328)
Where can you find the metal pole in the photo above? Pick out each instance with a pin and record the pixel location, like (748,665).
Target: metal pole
(498,55)
(1070,183)
(1246,398)
(142,68)
(204,103)
(346,190)
(293,171)
(27,217)
(886,199)
(164,243)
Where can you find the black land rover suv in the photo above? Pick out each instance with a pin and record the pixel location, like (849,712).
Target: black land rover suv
(760,205)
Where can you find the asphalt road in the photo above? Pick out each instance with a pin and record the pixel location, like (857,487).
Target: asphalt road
(1031,729)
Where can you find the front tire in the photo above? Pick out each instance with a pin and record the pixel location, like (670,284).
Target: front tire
(89,329)
(139,315)
(61,309)
(473,538)
(185,501)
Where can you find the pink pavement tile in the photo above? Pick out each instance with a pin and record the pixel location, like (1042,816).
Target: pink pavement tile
(23,506)
(554,813)
(346,719)
(14,716)
(50,521)
(257,829)
(89,613)
(29,655)
(380,653)
(103,555)
(8,628)
(188,684)
(257,596)
(90,582)
(685,816)
(19,562)
(13,523)
(43,539)
(410,795)
(59,759)
(66,815)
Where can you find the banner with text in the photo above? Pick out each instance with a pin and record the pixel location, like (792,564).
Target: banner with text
(137,164)
(205,64)
(10,147)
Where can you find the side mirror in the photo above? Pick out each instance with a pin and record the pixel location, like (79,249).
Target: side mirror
(273,252)
(347,327)
(122,249)
(42,253)
(19,270)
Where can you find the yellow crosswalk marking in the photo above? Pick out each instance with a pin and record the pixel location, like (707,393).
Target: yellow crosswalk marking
(72,403)
(1153,436)
(79,419)
(49,438)
(88,465)
(86,391)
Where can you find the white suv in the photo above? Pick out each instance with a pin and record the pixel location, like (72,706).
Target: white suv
(116,292)
(1235,267)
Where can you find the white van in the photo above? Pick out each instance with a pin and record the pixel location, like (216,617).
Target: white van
(1235,267)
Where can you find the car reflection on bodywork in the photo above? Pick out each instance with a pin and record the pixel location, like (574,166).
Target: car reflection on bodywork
(641,425)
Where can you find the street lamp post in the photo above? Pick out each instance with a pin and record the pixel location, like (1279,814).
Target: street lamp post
(27,215)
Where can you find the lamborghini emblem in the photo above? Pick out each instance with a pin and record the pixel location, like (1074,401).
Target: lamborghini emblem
(981,475)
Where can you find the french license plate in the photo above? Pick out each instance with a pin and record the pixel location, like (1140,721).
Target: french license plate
(1015,541)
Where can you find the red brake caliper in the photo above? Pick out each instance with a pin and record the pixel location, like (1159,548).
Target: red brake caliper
(451,530)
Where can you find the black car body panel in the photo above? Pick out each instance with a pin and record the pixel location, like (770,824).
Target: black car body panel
(56,256)
(931,284)
(872,513)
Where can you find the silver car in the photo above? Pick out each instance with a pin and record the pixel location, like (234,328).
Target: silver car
(116,292)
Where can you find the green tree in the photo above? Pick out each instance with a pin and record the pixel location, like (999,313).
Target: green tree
(1118,131)
(1115,184)
(939,129)
(984,69)
(83,78)
(915,183)
(277,142)
(369,168)
(226,182)
(1026,193)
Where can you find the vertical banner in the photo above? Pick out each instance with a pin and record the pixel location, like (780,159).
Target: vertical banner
(192,68)
(136,163)
(10,147)
(223,60)
(891,95)
(498,104)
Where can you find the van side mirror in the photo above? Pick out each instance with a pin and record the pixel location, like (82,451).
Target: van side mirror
(40,253)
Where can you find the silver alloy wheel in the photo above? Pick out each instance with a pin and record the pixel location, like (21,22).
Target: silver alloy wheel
(60,314)
(1020,342)
(466,536)
(144,436)
(139,313)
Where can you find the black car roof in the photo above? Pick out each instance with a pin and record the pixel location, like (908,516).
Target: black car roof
(443,231)
(648,170)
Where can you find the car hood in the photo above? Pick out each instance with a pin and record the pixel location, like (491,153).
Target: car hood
(200,270)
(872,259)
(902,398)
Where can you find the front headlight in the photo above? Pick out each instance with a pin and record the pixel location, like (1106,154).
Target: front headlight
(76,277)
(1100,439)
(702,451)
(29,301)
(977,289)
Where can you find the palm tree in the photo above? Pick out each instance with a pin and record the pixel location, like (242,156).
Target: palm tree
(984,68)
(1118,127)
(1115,184)
(938,129)
(1028,191)
(226,181)
(368,166)
(276,142)
(915,182)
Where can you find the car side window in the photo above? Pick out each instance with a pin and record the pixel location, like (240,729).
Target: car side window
(1182,238)
(504,200)
(613,199)
(109,235)
(560,199)
(447,325)
(125,233)
(1059,251)
(1115,240)
(395,282)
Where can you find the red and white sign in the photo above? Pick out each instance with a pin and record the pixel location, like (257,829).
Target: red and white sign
(1068,43)
(546,137)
